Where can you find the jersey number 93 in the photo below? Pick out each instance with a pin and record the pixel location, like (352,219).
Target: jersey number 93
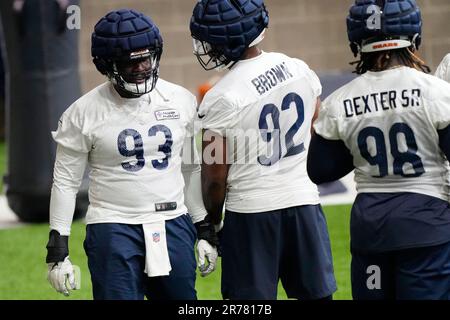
(138,150)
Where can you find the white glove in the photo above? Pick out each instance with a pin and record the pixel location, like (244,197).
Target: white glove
(61,276)
(205,250)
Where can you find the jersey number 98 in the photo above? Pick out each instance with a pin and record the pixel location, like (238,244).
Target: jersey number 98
(401,158)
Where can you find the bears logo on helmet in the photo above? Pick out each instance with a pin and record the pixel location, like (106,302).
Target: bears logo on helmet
(399,25)
(124,37)
(223,29)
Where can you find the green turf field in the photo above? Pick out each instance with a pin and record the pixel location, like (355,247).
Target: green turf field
(3,160)
(23,270)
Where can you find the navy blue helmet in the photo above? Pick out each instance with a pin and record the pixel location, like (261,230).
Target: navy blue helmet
(377,25)
(121,38)
(223,29)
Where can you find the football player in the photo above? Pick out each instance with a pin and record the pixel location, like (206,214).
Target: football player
(443,71)
(131,131)
(392,126)
(257,121)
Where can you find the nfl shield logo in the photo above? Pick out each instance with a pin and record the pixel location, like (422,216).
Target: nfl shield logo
(156,237)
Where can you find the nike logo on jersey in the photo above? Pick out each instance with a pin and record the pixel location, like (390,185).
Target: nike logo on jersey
(168,114)
(201,116)
(382,101)
(272,78)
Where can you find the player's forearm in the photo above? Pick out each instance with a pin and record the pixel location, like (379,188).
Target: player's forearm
(214,191)
(62,207)
(328,160)
(193,195)
(444,141)
(191,170)
(67,177)
(214,174)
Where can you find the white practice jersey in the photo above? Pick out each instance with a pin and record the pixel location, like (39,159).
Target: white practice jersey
(264,107)
(389,122)
(134,148)
(443,71)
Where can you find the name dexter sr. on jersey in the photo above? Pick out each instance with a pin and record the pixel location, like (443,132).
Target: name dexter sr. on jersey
(382,101)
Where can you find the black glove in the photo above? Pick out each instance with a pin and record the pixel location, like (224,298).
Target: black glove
(206,231)
(57,247)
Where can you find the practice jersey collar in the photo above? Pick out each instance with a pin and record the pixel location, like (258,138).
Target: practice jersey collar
(118,100)
(384,73)
(240,62)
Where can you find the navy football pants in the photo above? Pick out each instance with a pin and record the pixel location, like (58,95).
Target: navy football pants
(410,274)
(259,249)
(116,260)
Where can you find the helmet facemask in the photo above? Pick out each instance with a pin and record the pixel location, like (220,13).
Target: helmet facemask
(213,58)
(209,57)
(136,83)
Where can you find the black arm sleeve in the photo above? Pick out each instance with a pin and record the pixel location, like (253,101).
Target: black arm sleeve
(444,141)
(328,160)
(206,231)
(57,247)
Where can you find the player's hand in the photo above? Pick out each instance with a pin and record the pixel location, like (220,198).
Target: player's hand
(206,247)
(206,253)
(61,276)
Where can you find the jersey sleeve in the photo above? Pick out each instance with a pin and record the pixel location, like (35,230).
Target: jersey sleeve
(439,105)
(191,170)
(193,126)
(312,77)
(315,83)
(443,71)
(326,124)
(217,115)
(67,176)
(69,133)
